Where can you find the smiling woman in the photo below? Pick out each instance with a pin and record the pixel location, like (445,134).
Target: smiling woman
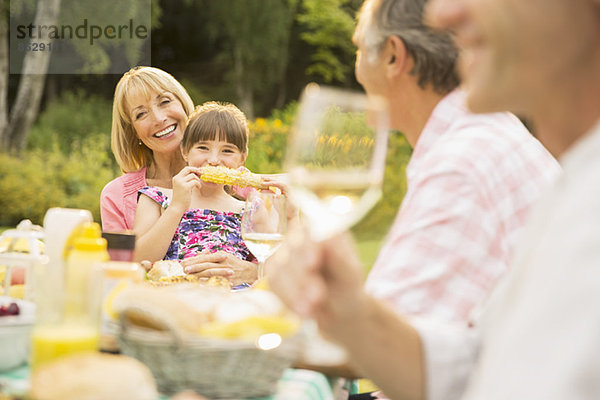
(159,120)
(150,110)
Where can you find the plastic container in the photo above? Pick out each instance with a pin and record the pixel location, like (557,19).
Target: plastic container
(116,276)
(21,250)
(77,328)
(14,334)
(120,245)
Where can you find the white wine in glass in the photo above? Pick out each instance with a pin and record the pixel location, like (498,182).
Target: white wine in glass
(336,157)
(262,245)
(264,224)
(336,161)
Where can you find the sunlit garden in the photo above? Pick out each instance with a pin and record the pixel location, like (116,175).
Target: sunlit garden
(63,159)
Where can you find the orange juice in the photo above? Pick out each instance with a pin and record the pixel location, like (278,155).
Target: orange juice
(51,342)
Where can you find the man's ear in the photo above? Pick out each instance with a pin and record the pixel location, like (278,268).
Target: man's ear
(396,56)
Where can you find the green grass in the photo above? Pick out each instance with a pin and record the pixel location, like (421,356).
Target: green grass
(368,251)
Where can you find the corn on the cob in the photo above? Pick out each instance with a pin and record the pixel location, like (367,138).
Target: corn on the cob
(227,176)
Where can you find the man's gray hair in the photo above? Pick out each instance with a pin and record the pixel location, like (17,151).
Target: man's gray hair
(433,52)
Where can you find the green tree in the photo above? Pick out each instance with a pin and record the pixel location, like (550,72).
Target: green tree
(329,27)
(15,126)
(255,39)
(16,119)
(102,56)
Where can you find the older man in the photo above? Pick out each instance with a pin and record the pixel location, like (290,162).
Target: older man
(471,178)
(537,337)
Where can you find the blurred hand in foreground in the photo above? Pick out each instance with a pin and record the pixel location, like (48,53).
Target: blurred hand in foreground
(319,280)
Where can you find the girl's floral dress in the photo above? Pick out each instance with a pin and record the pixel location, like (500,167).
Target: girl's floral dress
(203,230)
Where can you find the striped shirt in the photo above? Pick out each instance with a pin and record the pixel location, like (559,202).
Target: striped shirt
(472,179)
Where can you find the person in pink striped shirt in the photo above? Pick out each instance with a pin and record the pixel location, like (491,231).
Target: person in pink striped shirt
(471,178)
(537,335)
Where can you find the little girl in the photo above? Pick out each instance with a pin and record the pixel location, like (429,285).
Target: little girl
(197,216)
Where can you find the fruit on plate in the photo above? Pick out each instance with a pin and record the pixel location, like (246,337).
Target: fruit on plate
(9,309)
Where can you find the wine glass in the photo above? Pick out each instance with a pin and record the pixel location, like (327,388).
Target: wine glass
(335,161)
(264,224)
(336,157)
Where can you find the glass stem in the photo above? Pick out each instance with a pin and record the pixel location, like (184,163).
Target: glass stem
(261,269)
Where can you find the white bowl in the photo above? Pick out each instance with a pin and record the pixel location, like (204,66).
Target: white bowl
(15,334)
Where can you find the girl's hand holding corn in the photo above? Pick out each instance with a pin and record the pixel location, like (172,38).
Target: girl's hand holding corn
(183,184)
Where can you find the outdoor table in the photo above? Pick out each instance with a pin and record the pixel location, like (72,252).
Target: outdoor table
(295,384)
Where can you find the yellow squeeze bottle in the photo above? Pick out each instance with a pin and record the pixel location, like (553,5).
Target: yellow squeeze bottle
(77,327)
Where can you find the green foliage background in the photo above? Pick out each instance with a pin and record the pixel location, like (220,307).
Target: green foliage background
(69,161)
(257,55)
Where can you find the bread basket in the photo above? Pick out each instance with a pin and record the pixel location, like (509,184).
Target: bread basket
(215,368)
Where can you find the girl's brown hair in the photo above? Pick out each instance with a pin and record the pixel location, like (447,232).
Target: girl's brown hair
(213,121)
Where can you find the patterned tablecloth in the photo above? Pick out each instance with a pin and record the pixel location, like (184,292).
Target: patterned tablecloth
(295,384)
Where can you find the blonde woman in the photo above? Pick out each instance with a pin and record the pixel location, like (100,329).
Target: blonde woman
(150,110)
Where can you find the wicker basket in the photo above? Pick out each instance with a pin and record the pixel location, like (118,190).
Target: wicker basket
(211,367)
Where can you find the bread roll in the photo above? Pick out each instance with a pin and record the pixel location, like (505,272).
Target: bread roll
(94,376)
(247,304)
(161,308)
(165,268)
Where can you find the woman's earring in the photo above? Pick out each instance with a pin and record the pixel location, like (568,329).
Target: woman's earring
(139,142)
